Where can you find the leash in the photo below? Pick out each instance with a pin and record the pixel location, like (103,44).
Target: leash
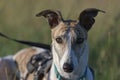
(59,77)
(41,45)
(43,59)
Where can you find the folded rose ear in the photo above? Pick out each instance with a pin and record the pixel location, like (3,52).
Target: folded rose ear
(86,18)
(53,17)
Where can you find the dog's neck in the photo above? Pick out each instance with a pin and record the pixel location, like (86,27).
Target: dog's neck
(80,69)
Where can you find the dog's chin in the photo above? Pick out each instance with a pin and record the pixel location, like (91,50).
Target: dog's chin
(67,75)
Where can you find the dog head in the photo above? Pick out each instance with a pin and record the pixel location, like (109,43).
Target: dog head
(69,40)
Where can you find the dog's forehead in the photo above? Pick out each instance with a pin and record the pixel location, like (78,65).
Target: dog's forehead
(70,23)
(67,26)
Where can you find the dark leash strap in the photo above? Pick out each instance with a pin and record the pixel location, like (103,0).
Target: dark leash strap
(41,45)
(31,68)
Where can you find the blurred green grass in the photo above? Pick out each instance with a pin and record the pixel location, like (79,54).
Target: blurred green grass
(17,19)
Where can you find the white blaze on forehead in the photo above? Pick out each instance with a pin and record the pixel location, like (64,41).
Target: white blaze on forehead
(68,53)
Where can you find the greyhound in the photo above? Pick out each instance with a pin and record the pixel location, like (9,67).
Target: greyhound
(69,44)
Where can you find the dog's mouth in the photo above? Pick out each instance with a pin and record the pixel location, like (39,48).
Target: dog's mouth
(68,70)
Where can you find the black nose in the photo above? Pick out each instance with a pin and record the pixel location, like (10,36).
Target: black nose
(67,67)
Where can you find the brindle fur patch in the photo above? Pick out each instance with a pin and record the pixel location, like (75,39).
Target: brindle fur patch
(73,27)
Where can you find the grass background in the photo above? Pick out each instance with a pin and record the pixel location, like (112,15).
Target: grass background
(17,19)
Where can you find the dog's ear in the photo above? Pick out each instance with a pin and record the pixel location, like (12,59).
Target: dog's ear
(53,17)
(86,18)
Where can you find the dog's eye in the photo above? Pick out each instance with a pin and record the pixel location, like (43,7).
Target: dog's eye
(59,40)
(79,40)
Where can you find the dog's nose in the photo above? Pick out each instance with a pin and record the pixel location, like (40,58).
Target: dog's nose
(67,67)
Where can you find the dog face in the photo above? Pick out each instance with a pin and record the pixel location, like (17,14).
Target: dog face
(69,40)
(68,43)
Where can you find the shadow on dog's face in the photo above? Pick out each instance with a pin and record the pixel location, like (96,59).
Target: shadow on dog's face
(69,38)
